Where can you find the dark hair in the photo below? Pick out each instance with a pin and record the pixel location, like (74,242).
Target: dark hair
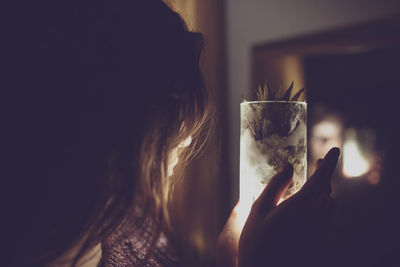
(101,92)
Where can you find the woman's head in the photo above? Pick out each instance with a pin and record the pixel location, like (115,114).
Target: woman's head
(104,91)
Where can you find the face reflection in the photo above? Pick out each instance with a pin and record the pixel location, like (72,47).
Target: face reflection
(325,135)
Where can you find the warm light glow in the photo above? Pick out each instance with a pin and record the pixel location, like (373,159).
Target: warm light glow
(374,177)
(186,142)
(250,188)
(243,210)
(354,163)
(174,156)
(263,151)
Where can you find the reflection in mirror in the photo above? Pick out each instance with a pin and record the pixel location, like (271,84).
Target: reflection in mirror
(351,80)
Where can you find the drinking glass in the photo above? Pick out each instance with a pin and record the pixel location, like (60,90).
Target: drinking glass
(272,134)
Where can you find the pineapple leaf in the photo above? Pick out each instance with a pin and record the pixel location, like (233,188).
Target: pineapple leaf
(262,93)
(286,96)
(271,93)
(297,95)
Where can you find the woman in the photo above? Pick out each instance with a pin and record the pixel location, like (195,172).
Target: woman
(105,91)
(101,93)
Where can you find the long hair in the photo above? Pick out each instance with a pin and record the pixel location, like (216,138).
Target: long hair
(101,93)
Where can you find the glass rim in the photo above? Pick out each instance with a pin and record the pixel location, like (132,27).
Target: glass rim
(272,101)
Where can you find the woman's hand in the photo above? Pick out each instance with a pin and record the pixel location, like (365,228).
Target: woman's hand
(292,233)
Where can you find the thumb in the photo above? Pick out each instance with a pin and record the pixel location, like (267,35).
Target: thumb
(320,180)
(269,198)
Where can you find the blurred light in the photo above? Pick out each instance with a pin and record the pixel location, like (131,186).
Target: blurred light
(354,163)
(242,212)
(186,142)
(374,177)
(199,240)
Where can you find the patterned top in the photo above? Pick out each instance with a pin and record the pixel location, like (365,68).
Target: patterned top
(122,249)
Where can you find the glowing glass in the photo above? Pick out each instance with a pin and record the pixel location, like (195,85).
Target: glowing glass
(272,133)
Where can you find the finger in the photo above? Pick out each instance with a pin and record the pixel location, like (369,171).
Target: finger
(320,180)
(325,167)
(273,191)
